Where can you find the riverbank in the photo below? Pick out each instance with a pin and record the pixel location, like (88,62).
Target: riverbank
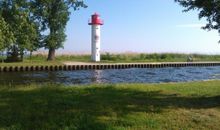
(40,59)
(112,106)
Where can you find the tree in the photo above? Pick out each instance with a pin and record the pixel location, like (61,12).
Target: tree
(209,9)
(27,34)
(6,36)
(25,29)
(54,15)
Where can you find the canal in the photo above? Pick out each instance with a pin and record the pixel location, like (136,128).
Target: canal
(133,75)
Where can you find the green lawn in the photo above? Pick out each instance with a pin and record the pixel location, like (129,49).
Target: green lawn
(173,106)
(41,60)
(32,63)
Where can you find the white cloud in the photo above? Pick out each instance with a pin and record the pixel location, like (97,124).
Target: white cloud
(190,25)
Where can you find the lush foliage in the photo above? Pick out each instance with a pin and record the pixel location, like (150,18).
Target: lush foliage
(17,15)
(209,9)
(6,36)
(54,15)
(171,106)
(29,22)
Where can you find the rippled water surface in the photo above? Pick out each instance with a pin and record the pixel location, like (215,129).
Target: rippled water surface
(147,75)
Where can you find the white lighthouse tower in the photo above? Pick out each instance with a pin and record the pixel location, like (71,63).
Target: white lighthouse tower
(96,23)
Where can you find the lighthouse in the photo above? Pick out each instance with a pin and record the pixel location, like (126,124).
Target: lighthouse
(96,24)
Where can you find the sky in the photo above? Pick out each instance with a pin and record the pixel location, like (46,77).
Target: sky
(142,26)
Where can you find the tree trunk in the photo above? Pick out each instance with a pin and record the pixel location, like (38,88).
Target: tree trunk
(30,55)
(22,55)
(51,54)
(2,57)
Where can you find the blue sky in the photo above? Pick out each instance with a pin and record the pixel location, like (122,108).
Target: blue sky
(146,26)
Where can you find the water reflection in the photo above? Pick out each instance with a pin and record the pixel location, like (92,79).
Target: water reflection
(96,76)
(134,75)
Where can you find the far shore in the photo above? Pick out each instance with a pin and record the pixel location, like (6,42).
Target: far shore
(40,59)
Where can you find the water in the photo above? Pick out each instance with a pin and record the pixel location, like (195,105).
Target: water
(135,75)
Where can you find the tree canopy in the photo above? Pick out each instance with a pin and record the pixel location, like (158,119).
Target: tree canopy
(29,25)
(54,15)
(6,36)
(17,15)
(209,9)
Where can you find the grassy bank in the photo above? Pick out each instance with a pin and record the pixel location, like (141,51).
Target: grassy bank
(158,57)
(113,58)
(174,106)
(41,60)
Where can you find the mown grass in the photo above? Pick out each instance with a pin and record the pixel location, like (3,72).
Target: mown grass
(39,59)
(36,60)
(173,106)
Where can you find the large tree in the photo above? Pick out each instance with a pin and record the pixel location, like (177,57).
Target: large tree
(6,36)
(18,15)
(54,15)
(209,9)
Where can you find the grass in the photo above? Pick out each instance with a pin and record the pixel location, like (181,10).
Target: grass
(114,58)
(40,59)
(173,106)
(36,60)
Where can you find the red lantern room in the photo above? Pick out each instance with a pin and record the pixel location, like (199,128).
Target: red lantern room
(96,20)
